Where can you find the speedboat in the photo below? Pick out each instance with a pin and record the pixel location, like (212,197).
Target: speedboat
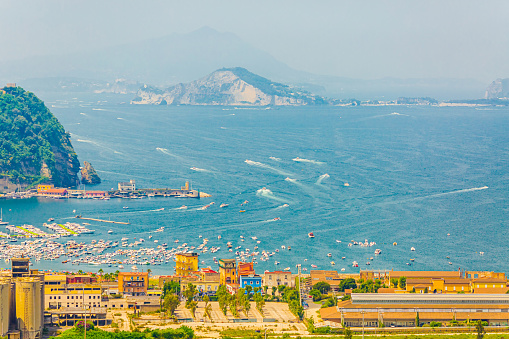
(110,231)
(311,235)
(378,251)
(412,249)
(329,255)
(223,205)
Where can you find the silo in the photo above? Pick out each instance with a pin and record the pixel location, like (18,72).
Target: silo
(5,291)
(28,307)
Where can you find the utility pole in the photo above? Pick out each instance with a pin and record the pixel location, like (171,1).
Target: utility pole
(363,312)
(300,290)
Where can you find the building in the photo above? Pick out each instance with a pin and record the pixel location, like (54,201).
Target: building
(402,310)
(208,281)
(5,300)
(245,268)
(62,291)
(95,194)
(438,285)
(29,311)
(44,188)
(186,263)
(133,283)
(330,277)
(228,271)
(20,267)
(489,285)
(55,192)
(277,278)
(252,280)
(127,186)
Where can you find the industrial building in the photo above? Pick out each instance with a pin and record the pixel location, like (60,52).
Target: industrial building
(403,310)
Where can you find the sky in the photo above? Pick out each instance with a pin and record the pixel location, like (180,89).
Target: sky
(364,39)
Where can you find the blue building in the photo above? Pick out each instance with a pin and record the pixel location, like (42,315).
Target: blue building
(251,280)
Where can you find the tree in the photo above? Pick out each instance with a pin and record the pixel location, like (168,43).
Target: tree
(394,282)
(249,288)
(348,283)
(322,286)
(402,282)
(190,292)
(171,302)
(260,302)
(348,333)
(274,289)
(149,271)
(206,299)
(317,296)
(265,288)
(417,321)
(101,271)
(208,310)
(192,305)
(170,287)
(480,329)
(222,297)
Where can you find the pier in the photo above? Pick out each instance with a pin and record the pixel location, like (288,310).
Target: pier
(100,220)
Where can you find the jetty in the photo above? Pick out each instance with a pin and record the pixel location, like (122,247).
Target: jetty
(101,220)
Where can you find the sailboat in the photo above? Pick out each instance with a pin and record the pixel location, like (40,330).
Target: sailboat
(2,222)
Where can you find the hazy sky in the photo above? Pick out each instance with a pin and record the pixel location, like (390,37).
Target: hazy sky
(359,39)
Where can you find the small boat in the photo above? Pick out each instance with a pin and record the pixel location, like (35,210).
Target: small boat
(314,266)
(343,258)
(290,248)
(332,263)
(450,263)
(412,259)
(338,241)
(343,269)
(311,235)
(242,211)
(125,207)
(481,253)
(49,220)
(120,266)
(276,262)
(394,244)
(329,255)
(110,231)
(378,251)
(409,264)
(218,237)
(287,268)
(134,268)
(183,207)
(368,263)
(412,249)
(223,205)
(275,219)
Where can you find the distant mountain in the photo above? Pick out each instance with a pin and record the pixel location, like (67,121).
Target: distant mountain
(177,58)
(498,89)
(229,86)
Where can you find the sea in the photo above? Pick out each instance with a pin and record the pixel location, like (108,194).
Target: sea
(399,177)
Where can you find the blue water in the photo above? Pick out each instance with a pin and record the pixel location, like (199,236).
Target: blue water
(412,180)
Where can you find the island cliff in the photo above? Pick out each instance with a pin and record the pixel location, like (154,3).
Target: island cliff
(89,175)
(34,146)
(229,86)
(498,89)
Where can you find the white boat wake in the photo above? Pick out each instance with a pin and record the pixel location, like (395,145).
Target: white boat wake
(308,161)
(199,169)
(259,164)
(266,193)
(322,178)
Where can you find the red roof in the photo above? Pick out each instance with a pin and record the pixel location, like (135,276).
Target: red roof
(278,272)
(56,190)
(208,270)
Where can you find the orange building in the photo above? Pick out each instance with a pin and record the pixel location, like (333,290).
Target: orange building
(228,271)
(245,268)
(133,283)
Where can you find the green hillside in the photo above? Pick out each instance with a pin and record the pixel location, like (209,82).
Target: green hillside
(34,146)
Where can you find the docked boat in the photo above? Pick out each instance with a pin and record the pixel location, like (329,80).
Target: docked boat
(311,235)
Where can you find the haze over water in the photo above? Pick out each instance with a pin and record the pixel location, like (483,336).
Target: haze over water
(415,174)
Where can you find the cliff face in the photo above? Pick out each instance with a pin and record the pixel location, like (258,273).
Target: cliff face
(229,86)
(34,146)
(89,175)
(498,89)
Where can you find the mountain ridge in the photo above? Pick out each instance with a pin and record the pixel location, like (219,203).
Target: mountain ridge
(229,86)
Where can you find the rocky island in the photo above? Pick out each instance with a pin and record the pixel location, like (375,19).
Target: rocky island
(89,175)
(34,147)
(229,86)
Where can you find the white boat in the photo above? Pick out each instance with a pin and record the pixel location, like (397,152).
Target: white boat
(134,268)
(110,231)
(378,251)
(412,249)
(329,255)
(342,270)
(223,205)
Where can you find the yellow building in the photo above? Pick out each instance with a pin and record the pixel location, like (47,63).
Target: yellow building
(489,285)
(133,283)
(44,188)
(447,285)
(58,293)
(228,271)
(186,263)
(5,298)
(28,307)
